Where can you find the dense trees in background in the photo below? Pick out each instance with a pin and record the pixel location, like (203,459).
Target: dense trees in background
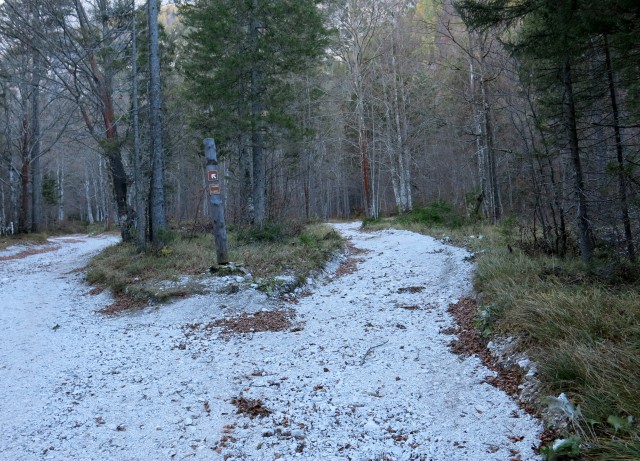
(324,109)
(580,59)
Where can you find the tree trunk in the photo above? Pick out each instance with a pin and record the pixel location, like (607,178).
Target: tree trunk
(584,226)
(140,211)
(60,183)
(479,134)
(158,219)
(622,175)
(87,195)
(23,218)
(246,179)
(402,130)
(103,89)
(496,205)
(257,138)
(36,176)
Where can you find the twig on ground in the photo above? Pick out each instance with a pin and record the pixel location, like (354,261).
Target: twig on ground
(366,354)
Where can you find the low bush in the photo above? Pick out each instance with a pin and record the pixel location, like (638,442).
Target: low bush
(436,214)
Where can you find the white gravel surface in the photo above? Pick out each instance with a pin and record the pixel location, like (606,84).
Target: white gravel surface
(364,379)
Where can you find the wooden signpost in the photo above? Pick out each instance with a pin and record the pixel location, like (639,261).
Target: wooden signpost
(216,200)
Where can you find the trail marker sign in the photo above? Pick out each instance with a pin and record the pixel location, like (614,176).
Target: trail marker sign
(216,201)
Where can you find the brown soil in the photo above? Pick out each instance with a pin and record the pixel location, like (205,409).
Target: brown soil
(470,342)
(25,253)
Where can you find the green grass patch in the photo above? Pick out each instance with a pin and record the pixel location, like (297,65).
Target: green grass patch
(297,250)
(23,239)
(581,324)
(292,249)
(121,268)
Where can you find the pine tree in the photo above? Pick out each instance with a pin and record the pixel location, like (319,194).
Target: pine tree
(239,56)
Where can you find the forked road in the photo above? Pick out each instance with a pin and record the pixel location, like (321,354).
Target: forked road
(363,373)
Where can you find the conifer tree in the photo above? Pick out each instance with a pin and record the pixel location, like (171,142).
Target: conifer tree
(238,58)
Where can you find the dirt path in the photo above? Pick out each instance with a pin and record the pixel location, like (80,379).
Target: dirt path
(362,373)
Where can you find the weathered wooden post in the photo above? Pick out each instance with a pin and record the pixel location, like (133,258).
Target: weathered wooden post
(215,198)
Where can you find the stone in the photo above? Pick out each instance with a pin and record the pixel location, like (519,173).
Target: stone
(370,426)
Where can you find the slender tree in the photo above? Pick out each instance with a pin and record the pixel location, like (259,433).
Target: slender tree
(158,220)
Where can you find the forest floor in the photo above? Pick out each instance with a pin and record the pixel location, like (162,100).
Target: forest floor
(356,367)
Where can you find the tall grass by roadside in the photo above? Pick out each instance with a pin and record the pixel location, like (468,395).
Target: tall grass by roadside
(579,323)
(273,250)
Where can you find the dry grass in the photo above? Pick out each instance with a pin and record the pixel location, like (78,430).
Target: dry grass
(22,239)
(132,277)
(582,328)
(298,251)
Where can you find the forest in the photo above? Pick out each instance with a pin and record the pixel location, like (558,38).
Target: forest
(520,111)
(510,128)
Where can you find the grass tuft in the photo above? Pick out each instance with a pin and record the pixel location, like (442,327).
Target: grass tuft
(581,324)
(297,250)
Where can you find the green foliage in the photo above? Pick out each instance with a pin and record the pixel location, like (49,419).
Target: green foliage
(507,227)
(620,424)
(49,189)
(223,60)
(437,214)
(562,449)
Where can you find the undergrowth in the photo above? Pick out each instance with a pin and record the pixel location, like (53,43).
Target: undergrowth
(579,323)
(273,250)
(23,239)
(285,248)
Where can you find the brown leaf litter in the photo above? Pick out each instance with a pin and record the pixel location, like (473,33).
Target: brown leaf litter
(277,320)
(350,265)
(410,290)
(470,342)
(250,407)
(123,303)
(30,252)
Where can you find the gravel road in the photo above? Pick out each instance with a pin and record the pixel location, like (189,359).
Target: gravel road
(362,373)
